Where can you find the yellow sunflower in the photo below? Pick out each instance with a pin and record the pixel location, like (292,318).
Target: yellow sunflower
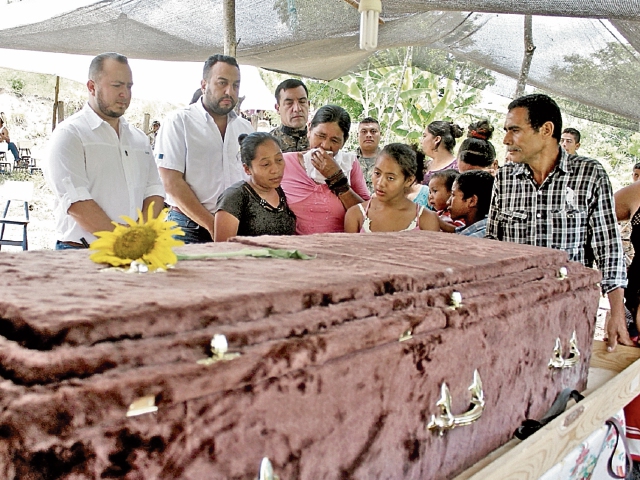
(150,242)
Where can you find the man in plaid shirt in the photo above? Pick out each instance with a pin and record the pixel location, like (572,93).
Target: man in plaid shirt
(549,198)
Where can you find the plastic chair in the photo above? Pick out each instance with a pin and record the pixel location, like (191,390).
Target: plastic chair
(27,159)
(5,166)
(24,149)
(16,192)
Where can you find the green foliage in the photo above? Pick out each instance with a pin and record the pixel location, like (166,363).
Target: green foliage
(634,146)
(17,86)
(320,93)
(444,64)
(20,176)
(404,100)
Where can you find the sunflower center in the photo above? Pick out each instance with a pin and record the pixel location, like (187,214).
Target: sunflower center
(135,242)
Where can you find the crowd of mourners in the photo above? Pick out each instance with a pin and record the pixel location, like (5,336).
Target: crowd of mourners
(221,179)
(298,179)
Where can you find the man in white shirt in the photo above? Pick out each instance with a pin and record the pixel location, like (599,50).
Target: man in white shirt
(98,166)
(197,150)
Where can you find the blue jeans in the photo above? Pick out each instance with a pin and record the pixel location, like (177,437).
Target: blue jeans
(14,150)
(66,246)
(193,233)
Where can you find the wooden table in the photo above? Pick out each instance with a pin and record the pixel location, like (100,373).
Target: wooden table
(614,380)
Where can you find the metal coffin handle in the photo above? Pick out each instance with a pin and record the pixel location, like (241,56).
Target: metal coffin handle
(447,420)
(266,470)
(557,360)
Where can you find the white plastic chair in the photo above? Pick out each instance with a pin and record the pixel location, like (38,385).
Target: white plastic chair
(17,192)
(24,162)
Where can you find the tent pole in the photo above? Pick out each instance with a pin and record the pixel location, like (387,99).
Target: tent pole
(529,48)
(229,14)
(55,104)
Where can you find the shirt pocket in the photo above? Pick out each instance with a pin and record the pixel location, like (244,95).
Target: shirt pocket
(569,231)
(513,226)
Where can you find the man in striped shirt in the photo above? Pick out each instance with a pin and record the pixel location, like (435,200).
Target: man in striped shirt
(548,198)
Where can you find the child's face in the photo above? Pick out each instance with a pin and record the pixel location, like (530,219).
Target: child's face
(388,179)
(438,194)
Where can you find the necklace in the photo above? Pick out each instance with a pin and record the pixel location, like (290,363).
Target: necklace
(263,203)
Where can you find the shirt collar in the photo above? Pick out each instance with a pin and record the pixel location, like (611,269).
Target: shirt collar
(563,165)
(474,227)
(95,121)
(230,116)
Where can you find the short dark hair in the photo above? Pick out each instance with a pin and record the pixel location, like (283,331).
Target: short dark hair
(448,175)
(289,84)
(404,156)
(540,109)
(97,64)
(250,143)
(574,132)
(636,166)
(476,150)
(448,131)
(213,59)
(480,184)
(333,114)
(369,120)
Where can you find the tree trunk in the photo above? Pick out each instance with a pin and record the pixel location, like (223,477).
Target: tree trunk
(529,48)
(229,14)
(55,105)
(146,120)
(60,111)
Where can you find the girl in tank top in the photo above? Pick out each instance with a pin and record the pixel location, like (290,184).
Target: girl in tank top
(389,209)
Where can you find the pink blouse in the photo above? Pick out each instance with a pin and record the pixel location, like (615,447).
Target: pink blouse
(317,209)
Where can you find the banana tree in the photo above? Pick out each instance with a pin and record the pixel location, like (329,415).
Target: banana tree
(406,99)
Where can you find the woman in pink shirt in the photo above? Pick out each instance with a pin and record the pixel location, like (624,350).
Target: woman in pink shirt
(324,182)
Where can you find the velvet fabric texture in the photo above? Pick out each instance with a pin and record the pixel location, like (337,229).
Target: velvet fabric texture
(323,386)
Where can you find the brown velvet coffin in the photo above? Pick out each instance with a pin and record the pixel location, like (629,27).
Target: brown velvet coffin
(323,386)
